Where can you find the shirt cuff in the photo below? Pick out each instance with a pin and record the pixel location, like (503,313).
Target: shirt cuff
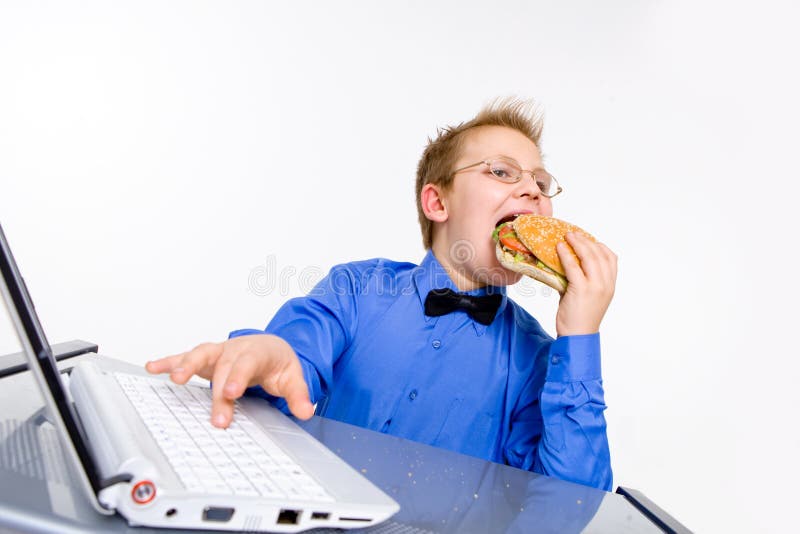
(245,332)
(574,359)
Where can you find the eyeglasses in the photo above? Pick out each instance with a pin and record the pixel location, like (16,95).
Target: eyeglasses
(508,171)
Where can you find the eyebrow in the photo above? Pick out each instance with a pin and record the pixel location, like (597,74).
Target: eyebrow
(539,168)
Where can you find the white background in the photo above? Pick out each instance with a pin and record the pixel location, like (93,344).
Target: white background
(173,171)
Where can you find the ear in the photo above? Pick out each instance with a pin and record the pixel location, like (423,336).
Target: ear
(433,203)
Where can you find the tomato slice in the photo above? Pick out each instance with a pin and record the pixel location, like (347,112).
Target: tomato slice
(509,239)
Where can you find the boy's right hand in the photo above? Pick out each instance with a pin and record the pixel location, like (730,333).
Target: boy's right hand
(236,364)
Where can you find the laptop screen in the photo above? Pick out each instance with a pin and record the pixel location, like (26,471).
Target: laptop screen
(9,344)
(39,354)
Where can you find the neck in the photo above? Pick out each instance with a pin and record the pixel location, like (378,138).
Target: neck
(458,273)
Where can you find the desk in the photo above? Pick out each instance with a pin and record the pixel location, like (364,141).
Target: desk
(438,491)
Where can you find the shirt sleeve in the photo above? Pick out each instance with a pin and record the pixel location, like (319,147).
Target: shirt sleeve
(319,327)
(558,427)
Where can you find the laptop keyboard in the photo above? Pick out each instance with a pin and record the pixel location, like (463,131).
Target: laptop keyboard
(240,460)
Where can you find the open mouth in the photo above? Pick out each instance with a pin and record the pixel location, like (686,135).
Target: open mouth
(507,218)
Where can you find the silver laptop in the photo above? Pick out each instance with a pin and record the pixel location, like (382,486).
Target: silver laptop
(143,447)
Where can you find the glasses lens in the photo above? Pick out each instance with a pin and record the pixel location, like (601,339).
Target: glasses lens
(545,182)
(505,170)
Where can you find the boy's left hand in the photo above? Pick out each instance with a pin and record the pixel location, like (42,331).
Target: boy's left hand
(590,288)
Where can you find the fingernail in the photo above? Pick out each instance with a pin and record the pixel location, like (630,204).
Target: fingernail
(219,419)
(231,387)
(178,370)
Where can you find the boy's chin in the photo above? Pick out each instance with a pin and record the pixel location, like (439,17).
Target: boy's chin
(509,277)
(512,277)
(498,276)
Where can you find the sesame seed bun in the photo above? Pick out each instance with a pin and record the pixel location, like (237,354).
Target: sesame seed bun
(541,234)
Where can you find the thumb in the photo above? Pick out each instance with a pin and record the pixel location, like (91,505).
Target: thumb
(291,385)
(297,398)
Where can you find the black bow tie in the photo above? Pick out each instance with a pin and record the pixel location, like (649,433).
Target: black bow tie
(443,301)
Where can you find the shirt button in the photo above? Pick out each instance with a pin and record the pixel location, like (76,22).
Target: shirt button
(413,394)
(436,343)
(555,360)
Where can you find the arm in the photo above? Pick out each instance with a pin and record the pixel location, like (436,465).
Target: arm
(558,427)
(318,327)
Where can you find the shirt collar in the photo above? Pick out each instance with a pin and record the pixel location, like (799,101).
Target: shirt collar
(430,275)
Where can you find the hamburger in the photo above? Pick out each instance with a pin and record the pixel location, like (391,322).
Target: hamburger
(527,245)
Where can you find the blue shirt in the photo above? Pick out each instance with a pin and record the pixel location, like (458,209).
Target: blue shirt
(506,392)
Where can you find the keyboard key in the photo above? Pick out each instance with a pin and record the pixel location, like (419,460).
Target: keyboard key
(269,490)
(244,488)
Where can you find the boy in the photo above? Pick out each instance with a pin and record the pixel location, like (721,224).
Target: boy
(374,345)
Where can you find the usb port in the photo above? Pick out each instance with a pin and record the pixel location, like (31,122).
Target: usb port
(320,515)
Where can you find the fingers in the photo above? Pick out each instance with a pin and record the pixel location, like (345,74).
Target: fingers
(592,278)
(208,361)
(241,376)
(586,251)
(610,264)
(198,361)
(572,268)
(610,257)
(235,365)
(221,406)
(232,376)
(295,391)
(164,365)
(267,360)
(597,262)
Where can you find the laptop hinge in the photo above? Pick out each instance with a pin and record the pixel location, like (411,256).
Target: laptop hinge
(104,483)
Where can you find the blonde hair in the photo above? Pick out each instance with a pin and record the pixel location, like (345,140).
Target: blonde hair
(440,155)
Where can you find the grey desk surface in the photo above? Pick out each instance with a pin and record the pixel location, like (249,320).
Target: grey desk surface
(438,491)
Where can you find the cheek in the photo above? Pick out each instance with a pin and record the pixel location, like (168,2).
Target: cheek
(546,207)
(474,211)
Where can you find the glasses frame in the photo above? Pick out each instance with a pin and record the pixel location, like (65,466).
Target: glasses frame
(488,163)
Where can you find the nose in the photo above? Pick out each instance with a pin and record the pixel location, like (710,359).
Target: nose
(527,187)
